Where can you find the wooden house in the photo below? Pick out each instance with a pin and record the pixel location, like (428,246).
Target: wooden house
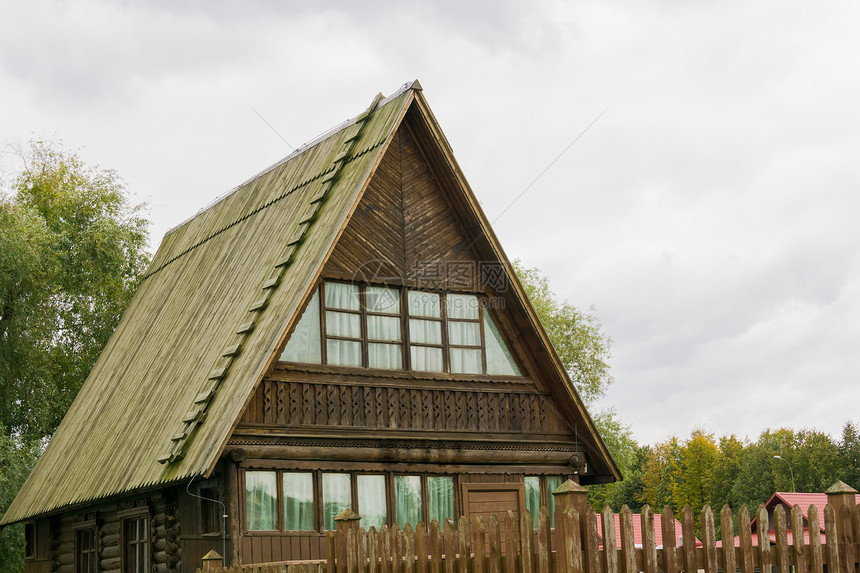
(342,330)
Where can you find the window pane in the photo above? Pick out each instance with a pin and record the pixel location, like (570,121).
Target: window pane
(342,324)
(462,306)
(261,501)
(385,356)
(382,299)
(499,357)
(304,344)
(465,360)
(343,352)
(337,496)
(464,333)
(552,483)
(298,501)
(426,358)
(425,331)
(371,501)
(533,497)
(342,295)
(424,304)
(383,327)
(407,500)
(440,498)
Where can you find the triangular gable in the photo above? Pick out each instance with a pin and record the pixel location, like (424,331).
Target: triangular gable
(218,302)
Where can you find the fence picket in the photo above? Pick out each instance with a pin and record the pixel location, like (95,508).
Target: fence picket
(833,561)
(510,558)
(797,538)
(688,531)
(746,547)
(571,541)
(815,560)
(592,543)
(780,531)
(526,542)
(494,564)
(727,534)
(846,537)
(421,548)
(542,547)
(372,550)
(667,524)
(464,536)
(609,542)
(649,543)
(361,555)
(628,543)
(398,547)
(408,549)
(435,548)
(709,540)
(478,545)
(385,553)
(449,538)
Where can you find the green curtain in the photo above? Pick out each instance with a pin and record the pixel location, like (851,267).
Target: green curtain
(440,498)
(261,501)
(552,483)
(407,500)
(336,496)
(298,501)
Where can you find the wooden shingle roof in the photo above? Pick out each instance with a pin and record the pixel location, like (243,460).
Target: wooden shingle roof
(218,300)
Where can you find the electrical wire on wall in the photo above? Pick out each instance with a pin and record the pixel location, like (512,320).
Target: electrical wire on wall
(223,519)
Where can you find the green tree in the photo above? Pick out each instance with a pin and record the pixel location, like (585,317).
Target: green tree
(849,454)
(693,484)
(661,474)
(16,460)
(577,336)
(72,252)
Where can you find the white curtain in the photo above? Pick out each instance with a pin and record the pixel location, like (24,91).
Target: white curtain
(342,295)
(424,304)
(371,500)
(465,360)
(345,324)
(382,299)
(533,497)
(464,333)
(343,352)
(261,501)
(385,356)
(425,331)
(499,357)
(426,358)
(461,306)
(304,344)
(383,327)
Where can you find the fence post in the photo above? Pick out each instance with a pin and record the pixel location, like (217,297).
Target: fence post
(346,552)
(840,495)
(212,562)
(569,494)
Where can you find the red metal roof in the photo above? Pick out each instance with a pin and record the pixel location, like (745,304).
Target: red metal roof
(637,531)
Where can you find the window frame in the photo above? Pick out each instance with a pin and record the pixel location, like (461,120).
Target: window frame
(405,343)
(355,505)
(126,517)
(86,527)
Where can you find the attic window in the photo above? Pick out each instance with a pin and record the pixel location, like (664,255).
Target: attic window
(366,326)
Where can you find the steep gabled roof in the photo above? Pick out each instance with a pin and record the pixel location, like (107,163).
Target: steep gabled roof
(218,300)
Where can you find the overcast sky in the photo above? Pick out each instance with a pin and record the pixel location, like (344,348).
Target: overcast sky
(710,215)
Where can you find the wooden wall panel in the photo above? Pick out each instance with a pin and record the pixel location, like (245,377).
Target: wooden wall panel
(403,230)
(311,403)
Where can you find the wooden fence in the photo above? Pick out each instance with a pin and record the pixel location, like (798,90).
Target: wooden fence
(514,546)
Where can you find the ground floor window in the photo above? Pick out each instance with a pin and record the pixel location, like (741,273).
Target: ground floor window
(280,500)
(135,536)
(85,550)
(538,491)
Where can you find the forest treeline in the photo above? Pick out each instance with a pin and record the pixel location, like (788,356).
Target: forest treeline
(705,470)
